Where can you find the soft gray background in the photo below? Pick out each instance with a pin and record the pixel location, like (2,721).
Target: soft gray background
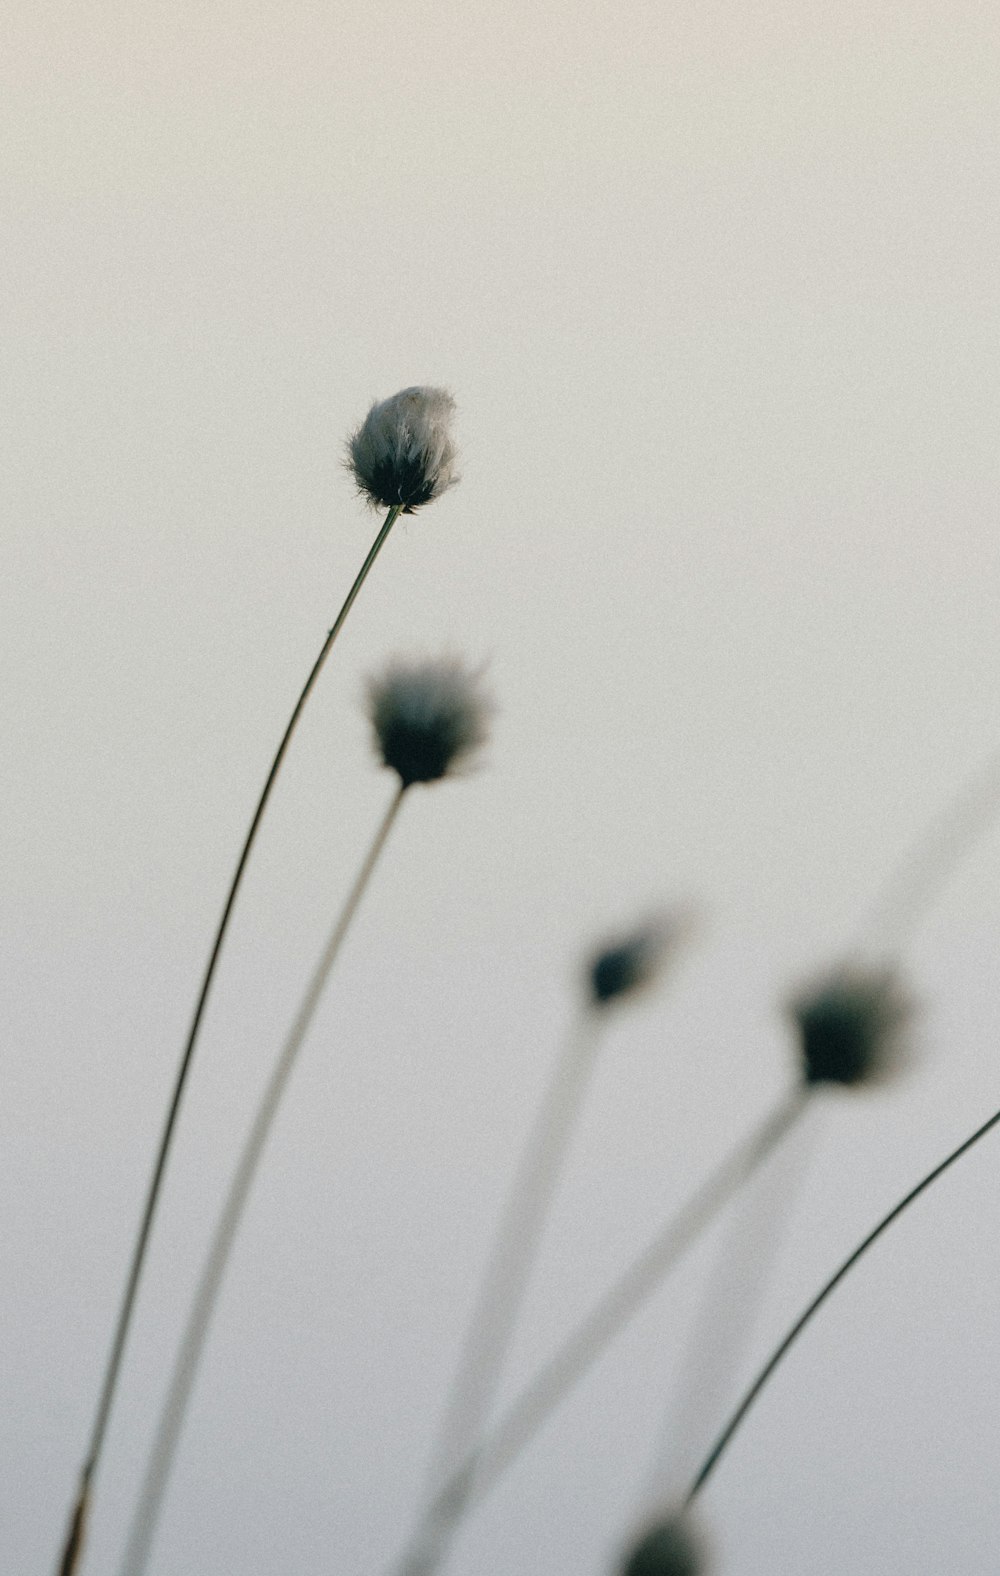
(716,289)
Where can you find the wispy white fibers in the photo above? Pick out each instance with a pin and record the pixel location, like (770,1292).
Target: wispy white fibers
(403,454)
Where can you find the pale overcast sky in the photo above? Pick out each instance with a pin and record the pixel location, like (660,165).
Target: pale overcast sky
(716,290)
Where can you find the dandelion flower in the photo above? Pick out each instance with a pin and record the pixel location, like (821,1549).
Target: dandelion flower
(428,717)
(669,1548)
(630,962)
(850,1026)
(403,454)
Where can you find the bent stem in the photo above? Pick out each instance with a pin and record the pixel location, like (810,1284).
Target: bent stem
(186,1364)
(74,1541)
(506,1279)
(781,1350)
(488,1461)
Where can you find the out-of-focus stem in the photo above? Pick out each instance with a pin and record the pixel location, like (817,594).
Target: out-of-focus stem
(784,1346)
(502,1292)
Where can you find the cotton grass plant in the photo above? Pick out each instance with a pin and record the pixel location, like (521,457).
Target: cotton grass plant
(671,1546)
(401,457)
(617,972)
(855,1017)
(849,1033)
(504,1442)
(429,718)
(849,1029)
(777,1357)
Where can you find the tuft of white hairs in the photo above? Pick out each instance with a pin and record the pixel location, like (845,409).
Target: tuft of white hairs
(403,455)
(428,716)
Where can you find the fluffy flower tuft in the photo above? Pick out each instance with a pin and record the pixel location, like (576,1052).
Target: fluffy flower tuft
(668,1548)
(850,1026)
(403,451)
(428,717)
(627,963)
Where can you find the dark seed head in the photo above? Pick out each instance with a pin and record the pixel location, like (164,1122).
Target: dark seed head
(850,1027)
(629,962)
(670,1548)
(428,718)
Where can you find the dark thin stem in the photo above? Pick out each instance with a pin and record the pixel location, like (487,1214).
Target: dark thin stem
(712,1459)
(192,1344)
(487,1463)
(74,1542)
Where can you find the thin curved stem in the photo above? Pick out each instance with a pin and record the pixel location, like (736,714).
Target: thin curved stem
(488,1462)
(712,1459)
(192,1344)
(74,1542)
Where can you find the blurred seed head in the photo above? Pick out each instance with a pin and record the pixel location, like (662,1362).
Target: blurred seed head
(669,1548)
(428,717)
(851,1026)
(403,451)
(628,963)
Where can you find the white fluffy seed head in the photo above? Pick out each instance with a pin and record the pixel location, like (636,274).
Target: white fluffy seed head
(403,453)
(428,716)
(851,1026)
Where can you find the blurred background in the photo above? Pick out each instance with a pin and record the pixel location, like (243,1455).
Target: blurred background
(715,288)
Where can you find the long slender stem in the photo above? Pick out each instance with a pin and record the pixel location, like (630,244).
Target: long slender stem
(186,1364)
(73,1546)
(726,1314)
(781,1350)
(502,1292)
(488,1461)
